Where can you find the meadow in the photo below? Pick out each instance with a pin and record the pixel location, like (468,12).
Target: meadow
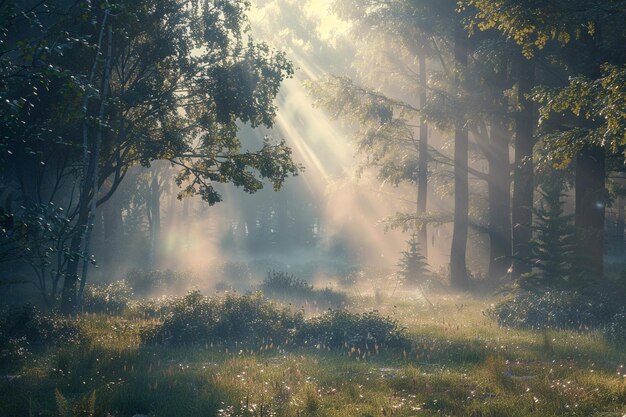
(459,363)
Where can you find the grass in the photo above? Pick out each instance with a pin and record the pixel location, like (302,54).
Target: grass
(461,364)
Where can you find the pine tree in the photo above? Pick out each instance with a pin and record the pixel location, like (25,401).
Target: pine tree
(553,244)
(413,265)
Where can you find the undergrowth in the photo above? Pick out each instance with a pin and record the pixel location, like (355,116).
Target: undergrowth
(287,287)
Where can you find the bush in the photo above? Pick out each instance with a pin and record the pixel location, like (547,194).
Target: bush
(152,308)
(285,286)
(110,299)
(24,328)
(250,320)
(246,319)
(557,309)
(337,329)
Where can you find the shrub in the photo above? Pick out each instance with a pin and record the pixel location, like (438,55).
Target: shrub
(285,286)
(251,320)
(151,308)
(24,328)
(557,309)
(246,319)
(110,299)
(339,329)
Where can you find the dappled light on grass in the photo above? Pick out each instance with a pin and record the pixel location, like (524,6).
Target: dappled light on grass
(457,362)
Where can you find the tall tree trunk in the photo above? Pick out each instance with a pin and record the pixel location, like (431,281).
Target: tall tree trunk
(154,206)
(458,268)
(499,188)
(69,294)
(70,288)
(620,226)
(113,225)
(590,208)
(523,185)
(95,184)
(422,165)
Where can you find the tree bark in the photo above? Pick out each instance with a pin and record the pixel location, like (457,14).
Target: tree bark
(70,295)
(523,185)
(154,207)
(113,224)
(458,268)
(590,208)
(95,179)
(499,188)
(422,168)
(620,226)
(70,289)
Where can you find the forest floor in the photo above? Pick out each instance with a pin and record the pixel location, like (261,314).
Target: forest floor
(464,364)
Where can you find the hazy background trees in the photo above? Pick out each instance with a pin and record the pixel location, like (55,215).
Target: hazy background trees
(445,120)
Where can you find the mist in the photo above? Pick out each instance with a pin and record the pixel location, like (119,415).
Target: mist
(303,208)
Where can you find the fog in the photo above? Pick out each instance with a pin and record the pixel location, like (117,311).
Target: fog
(331,214)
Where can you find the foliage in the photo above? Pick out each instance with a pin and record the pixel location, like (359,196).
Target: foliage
(38,235)
(83,407)
(285,286)
(252,321)
(232,319)
(553,244)
(25,328)
(175,88)
(407,221)
(558,309)
(413,265)
(152,308)
(601,101)
(113,298)
(532,24)
(341,329)
(512,374)
(384,137)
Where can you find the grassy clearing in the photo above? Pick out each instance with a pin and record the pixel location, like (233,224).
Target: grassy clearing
(460,364)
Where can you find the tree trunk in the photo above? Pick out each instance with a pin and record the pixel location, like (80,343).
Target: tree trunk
(154,206)
(70,289)
(523,185)
(96,165)
(620,227)
(113,224)
(422,168)
(70,294)
(458,268)
(499,188)
(590,208)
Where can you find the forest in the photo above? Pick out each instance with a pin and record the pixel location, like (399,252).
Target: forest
(301,208)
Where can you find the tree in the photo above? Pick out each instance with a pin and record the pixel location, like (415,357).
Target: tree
(581,37)
(413,265)
(458,267)
(523,184)
(600,104)
(553,247)
(129,112)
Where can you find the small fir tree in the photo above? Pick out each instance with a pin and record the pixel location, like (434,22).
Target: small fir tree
(413,265)
(553,244)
